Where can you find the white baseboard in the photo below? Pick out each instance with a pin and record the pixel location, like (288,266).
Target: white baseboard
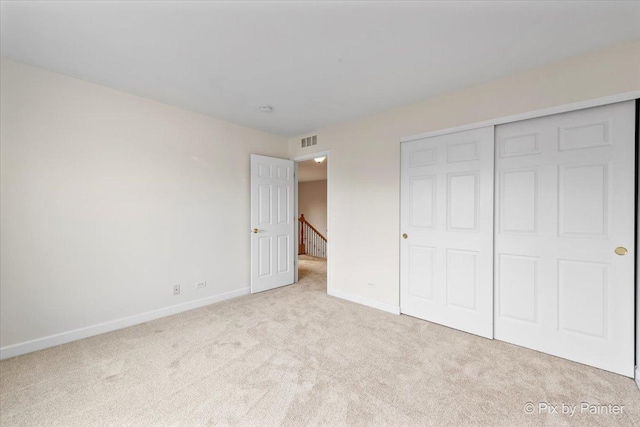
(101,328)
(638,376)
(390,308)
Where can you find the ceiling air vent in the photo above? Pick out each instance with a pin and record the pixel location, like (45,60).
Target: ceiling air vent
(309,141)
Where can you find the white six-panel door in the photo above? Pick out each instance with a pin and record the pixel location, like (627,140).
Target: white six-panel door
(564,203)
(447,219)
(273,224)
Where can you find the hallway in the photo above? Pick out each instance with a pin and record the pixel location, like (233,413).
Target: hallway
(312,272)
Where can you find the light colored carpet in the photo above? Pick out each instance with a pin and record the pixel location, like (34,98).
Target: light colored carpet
(296,356)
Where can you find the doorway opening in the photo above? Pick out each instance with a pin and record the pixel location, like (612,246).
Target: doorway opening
(312,220)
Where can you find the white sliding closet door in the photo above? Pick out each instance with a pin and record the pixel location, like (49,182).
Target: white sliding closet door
(447,218)
(564,204)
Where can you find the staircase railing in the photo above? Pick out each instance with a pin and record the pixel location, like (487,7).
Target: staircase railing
(312,242)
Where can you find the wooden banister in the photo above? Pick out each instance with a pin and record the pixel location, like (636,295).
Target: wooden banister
(312,242)
(303,219)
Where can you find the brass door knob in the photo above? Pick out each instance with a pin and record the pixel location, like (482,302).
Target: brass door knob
(405,236)
(621,251)
(255,230)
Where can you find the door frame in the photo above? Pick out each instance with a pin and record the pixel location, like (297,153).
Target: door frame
(564,108)
(302,158)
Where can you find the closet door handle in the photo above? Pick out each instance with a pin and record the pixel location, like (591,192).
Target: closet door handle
(621,251)
(405,236)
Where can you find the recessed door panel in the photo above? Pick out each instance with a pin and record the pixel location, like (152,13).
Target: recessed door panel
(462,201)
(264,257)
(463,152)
(264,170)
(264,204)
(426,157)
(284,202)
(283,254)
(518,145)
(582,297)
(423,203)
(587,135)
(421,265)
(584,200)
(518,297)
(283,172)
(519,201)
(462,279)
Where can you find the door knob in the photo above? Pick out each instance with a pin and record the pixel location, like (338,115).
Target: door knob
(405,236)
(255,230)
(621,251)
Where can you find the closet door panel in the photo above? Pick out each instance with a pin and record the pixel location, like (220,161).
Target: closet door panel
(564,203)
(447,216)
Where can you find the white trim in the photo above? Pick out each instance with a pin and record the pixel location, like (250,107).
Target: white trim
(295,215)
(637,377)
(597,102)
(309,156)
(101,328)
(390,308)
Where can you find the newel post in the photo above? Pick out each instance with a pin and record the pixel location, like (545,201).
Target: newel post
(301,221)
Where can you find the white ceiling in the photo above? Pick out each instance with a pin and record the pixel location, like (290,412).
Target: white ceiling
(316,63)
(309,170)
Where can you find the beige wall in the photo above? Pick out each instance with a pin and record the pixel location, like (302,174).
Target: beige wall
(365,157)
(312,202)
(108,200)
